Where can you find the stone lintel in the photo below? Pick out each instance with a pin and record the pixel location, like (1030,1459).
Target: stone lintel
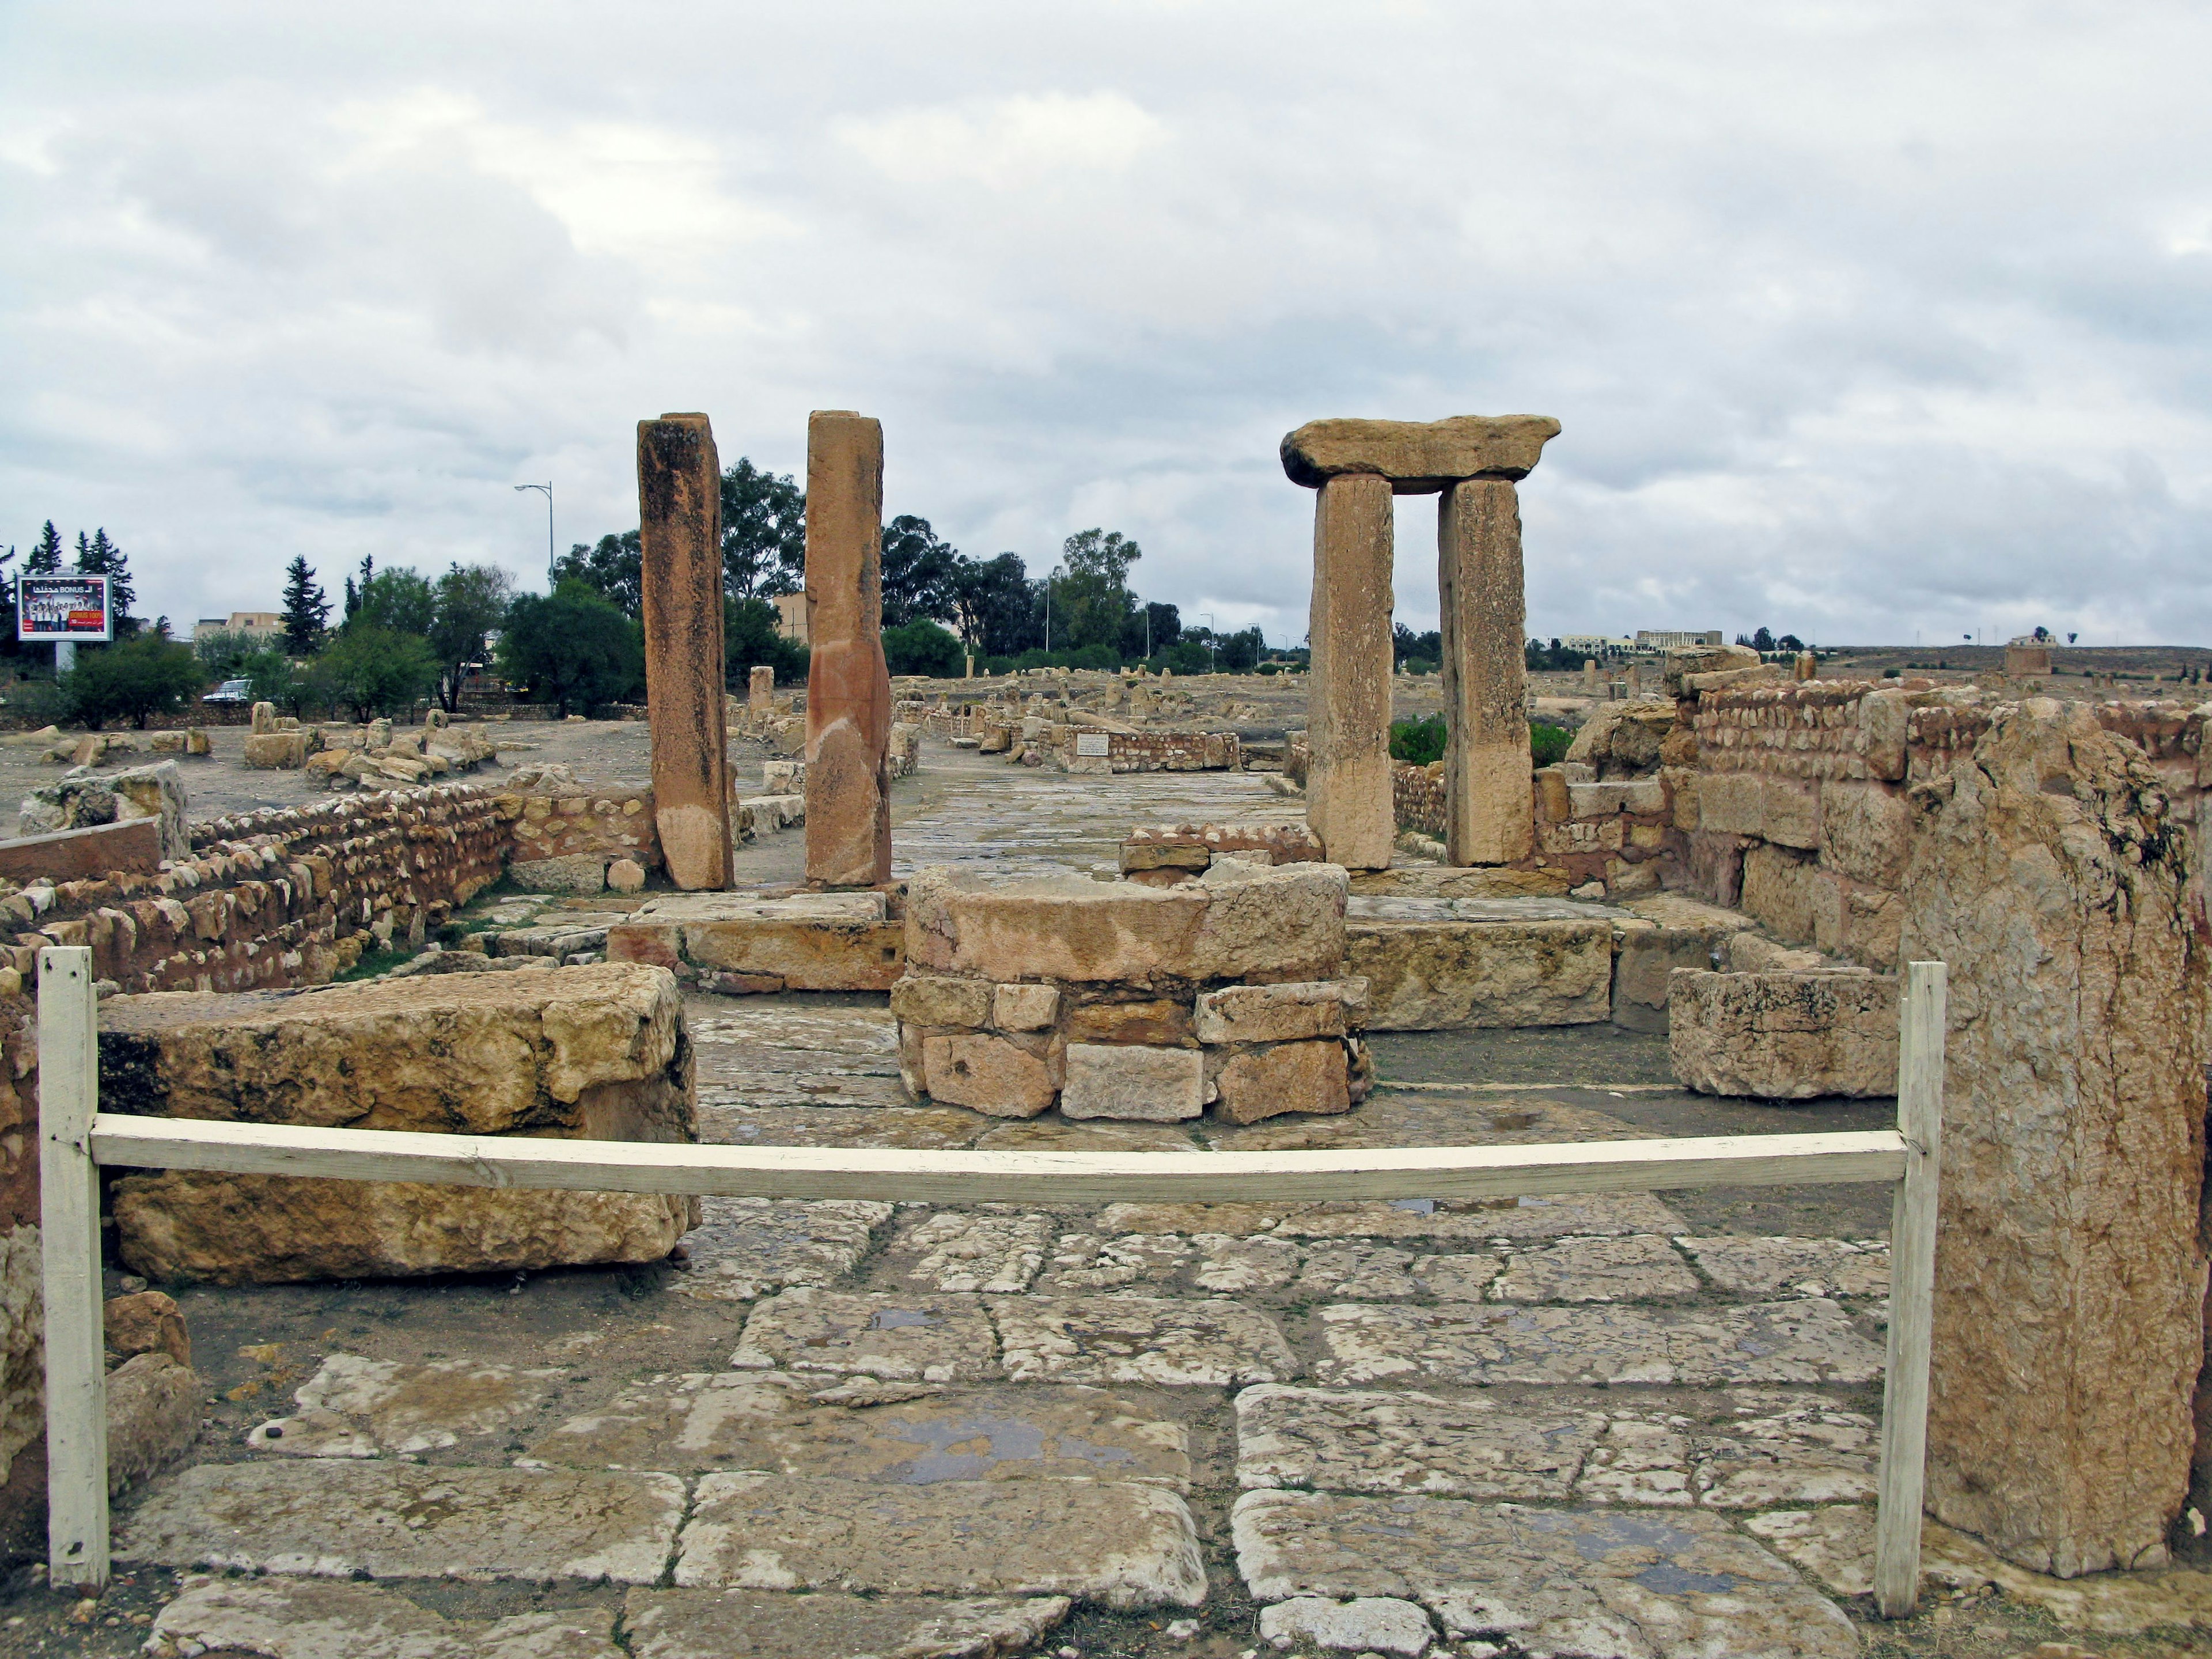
(1418,457)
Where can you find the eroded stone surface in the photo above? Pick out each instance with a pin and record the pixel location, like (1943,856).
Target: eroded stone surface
(745,1247)
(310,1619)
(972,1250)
(1520,1218)
(1810,1341)
(1370,1623)
(923,1337)
(1126,1544)
(391,1520)
(793,1423)
(1607,1584)
(1380,1441)
(1636,1268)
(358,1407)
(693,1624)
(1799,1266)
(1129,1339)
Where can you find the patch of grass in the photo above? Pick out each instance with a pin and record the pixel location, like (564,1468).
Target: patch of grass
(373,962)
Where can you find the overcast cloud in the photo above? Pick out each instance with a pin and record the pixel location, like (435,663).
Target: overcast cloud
(1861,321)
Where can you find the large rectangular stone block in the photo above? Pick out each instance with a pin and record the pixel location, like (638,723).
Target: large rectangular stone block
(1120,1081)
(679,482)
(1866,831)
(1788,893)
(849,688)
(1441,975)
(1783,1036)
(2070,1271)
(1670,931)
(1348,801)
(811,941)
(1488,796)
(597,1053)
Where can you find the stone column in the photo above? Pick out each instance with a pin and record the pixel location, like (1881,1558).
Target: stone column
(679,495)
(848,686)
(1349,720)
(2051,874)
(760,690)
(1489,797)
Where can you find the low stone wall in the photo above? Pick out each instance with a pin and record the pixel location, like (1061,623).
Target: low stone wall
(564,842)
(1417,795)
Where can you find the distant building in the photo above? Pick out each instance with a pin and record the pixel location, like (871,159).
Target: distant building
(791,616)
(1662,639)
(1595,645)
(255,625)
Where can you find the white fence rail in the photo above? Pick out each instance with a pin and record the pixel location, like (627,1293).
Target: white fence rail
(75,1139)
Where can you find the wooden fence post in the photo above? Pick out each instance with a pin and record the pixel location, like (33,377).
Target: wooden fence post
(69,1189)
(1912,1288)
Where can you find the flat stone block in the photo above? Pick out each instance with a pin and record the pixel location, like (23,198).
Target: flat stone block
(747,1247)
(310,1619)
(1156,1023)
(1635,1268)
(811,941)
(1140,1339)
(1025,1007)
(1426,975)
(1284,1077)
(695,1624)
(1522,1219)
(969,1250)
(354,1406)
(1367,1624)
(390,1520)
(1281,1014)
(276,751)
(1810,1341)
(859,1429)
(1587,1582)
(567,872)
(1377,1441)
(1418,457)
(939,1000)
(1794,1267)
(1157,1086)
(1125,1544)
(942,1337)
(986,1073)
(1784,1035)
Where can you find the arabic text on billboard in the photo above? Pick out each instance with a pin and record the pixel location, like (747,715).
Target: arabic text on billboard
(62,608)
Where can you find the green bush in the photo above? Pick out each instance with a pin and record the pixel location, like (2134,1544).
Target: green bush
(1549,745)
(37,704)
(573,649)
(922,647)
(134,680)
(371,670)
(1419,742)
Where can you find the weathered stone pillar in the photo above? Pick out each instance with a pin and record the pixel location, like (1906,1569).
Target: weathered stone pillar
(2049,870)
(848,685)
(1474,461)
(1489,798)
(1348,715)
(760,690)
(679,483)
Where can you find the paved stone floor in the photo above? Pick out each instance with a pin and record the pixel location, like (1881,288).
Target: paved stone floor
(1640,1426)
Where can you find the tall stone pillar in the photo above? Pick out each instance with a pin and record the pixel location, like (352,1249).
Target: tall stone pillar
(848,685)
(2051,870)
(1489,795)
(679,496)
(1348,801)
(760,690)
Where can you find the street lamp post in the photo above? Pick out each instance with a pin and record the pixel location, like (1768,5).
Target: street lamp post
(1211,640)
(548,490)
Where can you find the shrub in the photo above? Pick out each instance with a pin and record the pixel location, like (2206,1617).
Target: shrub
(134,680)
(572,648)
(1549,745)
(371,670)
(1419,742)
(922,647)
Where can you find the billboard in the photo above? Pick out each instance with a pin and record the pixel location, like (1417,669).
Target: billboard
(59,608)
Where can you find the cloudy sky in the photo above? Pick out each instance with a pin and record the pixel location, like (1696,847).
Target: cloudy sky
(1865,322)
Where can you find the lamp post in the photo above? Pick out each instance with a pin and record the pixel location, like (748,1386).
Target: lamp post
(548,490)
(1211,640)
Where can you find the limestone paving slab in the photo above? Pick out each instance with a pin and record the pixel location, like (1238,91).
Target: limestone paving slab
(788,1423)
(1585,1214)
(991,1250)
(1366,1624)
(1384,1441)
(1593,1583)
(1228,1262)
(696,1624)
(1103,1262)
(1794,1267)
(730,1121)
(1633,1268)
(1426,1118)
(1809,1340)
(1210,1343)
(748,1247)
(1052,1134)
(393,1520)
(354,1406)
(1126,1544)
(937,1337)
(316,1619)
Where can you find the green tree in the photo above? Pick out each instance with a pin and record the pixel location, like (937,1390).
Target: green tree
(471,601)
(763,532)
(101,557)
(372,670)
(919,572)
(922,647)
(270,677)
(1240,653)
(398,600)
(222,652)
(749,639)
(572,648)
(46,558)
(612,568)
(306,608)
(992,604)
(1091,603)
(132,679)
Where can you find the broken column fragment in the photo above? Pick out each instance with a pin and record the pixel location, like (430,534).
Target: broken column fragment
(848,686)
(1358,465)
(679,484)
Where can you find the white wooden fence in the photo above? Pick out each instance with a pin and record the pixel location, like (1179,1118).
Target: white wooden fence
(75,1139)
